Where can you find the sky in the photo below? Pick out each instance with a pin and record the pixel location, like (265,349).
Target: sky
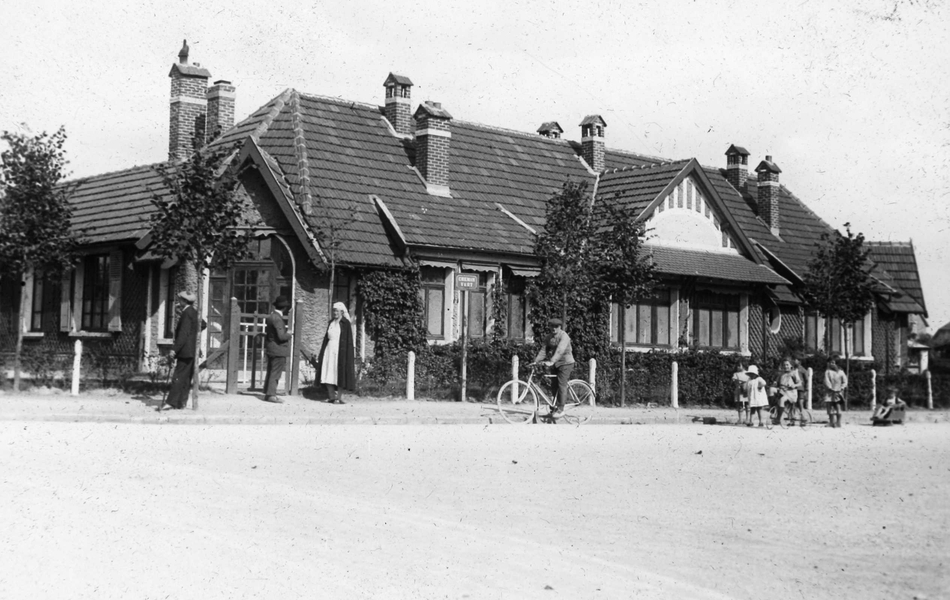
(851,99)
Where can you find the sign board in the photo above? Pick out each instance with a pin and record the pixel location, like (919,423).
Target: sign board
(466,281)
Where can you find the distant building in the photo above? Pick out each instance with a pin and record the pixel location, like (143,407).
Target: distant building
(455,197)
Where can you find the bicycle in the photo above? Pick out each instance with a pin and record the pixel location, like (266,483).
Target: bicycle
(803,417)
(519,401)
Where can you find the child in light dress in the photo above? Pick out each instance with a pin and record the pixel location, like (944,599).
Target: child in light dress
(758,397)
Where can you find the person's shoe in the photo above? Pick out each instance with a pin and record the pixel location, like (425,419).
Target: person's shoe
(165,407)
(274,399)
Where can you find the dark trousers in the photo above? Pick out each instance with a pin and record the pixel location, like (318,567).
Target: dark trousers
(275,368)
(181,382)
(559,385)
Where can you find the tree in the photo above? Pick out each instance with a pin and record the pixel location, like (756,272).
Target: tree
(568,285)
(626,274)
(838,284)
(200,218)
(35,217)
(331,233)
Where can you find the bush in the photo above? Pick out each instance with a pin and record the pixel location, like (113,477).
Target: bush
(43,364)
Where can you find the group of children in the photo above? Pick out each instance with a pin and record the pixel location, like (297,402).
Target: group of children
(752,393)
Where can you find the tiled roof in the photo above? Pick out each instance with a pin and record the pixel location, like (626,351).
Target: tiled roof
(898,261)
(800,229)
(114,207)
(711,265)
(636,187)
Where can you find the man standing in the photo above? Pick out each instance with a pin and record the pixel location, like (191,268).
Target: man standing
(183,352)
(277,348)
(557,354)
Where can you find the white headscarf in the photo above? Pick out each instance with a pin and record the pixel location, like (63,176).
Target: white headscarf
(341,306)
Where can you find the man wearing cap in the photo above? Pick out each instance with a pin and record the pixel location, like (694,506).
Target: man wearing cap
(557,354)
(183,351)
(277,348)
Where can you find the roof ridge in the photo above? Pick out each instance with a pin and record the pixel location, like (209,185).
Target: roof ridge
(277,105)
(300,151)
(338,100)
(890,243)
(642,167)
(527,134)
(113,173)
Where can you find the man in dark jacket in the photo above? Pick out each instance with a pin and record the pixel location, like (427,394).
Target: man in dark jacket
(277,348)
(186,335)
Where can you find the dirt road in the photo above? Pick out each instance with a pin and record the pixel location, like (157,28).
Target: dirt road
(659,511)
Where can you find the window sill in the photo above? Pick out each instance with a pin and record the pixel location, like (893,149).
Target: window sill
(165,341)
(33,335)
(91,334)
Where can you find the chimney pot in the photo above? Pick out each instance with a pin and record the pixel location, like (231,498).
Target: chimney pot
(737,166)
(188,106)
(768,192)
(397,108)
(592,141)
(433,142)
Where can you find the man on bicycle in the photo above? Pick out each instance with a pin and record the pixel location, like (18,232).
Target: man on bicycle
(557,355)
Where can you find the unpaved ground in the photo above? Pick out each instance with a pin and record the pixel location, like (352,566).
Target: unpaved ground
(97,510)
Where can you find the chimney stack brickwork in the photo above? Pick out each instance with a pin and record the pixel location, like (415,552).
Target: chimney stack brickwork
(188,106)
(398,99)
(592,142)
(737,166)
(433,141)
(220,108)
(768,190)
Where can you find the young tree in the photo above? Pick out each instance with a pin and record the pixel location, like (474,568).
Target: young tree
(838,284)
(567,286)
(199,219)
(332,233)
(626,274)
(35,216)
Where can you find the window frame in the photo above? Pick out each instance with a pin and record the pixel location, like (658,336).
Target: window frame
(432,285)
(95,298)
(632,316)
(724,308)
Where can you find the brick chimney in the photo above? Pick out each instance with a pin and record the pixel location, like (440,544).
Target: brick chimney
(550,130)
(220,108)
(737,166)
(433,139)
(768,193)
(398,88)
(188,106)
(592,141)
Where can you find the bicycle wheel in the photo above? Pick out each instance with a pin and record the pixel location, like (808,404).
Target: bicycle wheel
(805,420)
(772,421)
(579,407)
(520,409)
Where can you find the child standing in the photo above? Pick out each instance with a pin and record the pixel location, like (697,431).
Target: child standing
(755,388)
(835,382)
(789,383)
(740,396)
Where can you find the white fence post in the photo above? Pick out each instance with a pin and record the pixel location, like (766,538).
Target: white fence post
(411,377)
(77,362)
(592,378)
(675,386)
(930,392)
(873,389)
(514,376)
(811,388)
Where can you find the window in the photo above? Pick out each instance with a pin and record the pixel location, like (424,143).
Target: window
(839,334)
(168,331)
(95,293)
(646,323)
(476,315)
(811,332)
(40,284)
(341,288)
(517,307)
(432,293)
(716,320)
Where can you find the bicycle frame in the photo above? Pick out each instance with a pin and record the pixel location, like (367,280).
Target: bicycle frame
(537,388)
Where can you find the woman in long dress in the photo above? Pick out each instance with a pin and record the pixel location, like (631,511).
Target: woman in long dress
(337,364)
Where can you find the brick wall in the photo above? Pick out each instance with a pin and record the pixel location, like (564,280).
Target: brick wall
(220,108)
(186,119)
(768,198)
(593,152)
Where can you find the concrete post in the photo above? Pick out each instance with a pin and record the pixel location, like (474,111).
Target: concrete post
(811,387)
(930,392)
(592,374)
(675,386)
(411,377)
(77,363)
(514,376)
(873,389)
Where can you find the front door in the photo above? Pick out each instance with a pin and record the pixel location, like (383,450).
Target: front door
(254,283)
